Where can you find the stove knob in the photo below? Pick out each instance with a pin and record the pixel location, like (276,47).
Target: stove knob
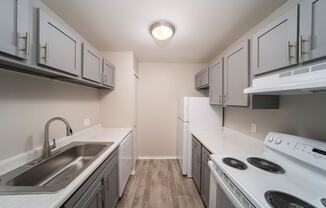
(278,141)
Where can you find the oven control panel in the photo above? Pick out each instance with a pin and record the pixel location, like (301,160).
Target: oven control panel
(310,151)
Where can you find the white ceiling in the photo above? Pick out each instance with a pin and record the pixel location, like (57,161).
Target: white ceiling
(203,27)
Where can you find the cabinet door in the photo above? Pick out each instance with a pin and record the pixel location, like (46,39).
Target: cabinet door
(94,198)
(197,80)
(237,75)
(58,48)
(14,23)
(204,77)
(111,184)
(108,74)
(205,176)
(92,64)
(312,29)
(275,46)
(196,164)
(216,83)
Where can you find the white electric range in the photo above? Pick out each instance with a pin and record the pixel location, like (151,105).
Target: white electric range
(290,173)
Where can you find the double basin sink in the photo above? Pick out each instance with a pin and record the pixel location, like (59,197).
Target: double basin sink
(54,173)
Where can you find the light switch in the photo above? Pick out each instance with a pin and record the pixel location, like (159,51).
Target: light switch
(253,128)
(87,122)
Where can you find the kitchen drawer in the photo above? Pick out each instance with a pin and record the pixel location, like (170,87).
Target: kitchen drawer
(206,153)
(196,144)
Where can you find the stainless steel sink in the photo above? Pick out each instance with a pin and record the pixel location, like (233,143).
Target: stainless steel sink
(54,173)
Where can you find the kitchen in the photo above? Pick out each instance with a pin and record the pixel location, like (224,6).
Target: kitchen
(162,103)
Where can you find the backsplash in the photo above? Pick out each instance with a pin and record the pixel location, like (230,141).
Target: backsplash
(302,115)
(28,102)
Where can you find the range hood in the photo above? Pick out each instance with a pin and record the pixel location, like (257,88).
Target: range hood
(305,80)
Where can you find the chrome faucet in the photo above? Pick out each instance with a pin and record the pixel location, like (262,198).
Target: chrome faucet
(46,151)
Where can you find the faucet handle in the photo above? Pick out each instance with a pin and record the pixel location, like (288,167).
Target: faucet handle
(54,145)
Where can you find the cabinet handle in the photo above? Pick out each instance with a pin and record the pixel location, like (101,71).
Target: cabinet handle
(289,51)
(46,52)
(104,189)
(220,99)
(26,37)
(301,42)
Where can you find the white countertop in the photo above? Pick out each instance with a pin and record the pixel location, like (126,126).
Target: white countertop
(53,200)
(228,141)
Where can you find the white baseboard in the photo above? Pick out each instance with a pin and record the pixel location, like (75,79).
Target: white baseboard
(157,157)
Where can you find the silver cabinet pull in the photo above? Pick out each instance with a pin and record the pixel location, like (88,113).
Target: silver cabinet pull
(289,51)
(26,37)
(46,52)
(220,99)
(301,51)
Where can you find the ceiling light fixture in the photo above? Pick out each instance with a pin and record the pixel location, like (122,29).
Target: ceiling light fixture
(162,30)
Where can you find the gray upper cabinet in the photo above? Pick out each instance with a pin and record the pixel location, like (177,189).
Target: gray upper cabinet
(14,23)
(312,40)
(275,46)
(202,79)
(58,47)
(216,83)
(236,75)
(92,64)
(108,78)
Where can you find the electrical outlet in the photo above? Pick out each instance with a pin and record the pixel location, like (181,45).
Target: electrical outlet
(253,128)
(87,122)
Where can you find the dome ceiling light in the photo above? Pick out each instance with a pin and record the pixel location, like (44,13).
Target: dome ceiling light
(162,30)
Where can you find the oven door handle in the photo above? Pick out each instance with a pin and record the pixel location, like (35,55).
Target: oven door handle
(223,186)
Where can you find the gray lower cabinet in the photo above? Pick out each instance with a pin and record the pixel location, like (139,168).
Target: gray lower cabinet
(200,169)
(275,46)
(110,185)
(92,64)
(58,47)
(108,78)
(100,190)
(216,83)
(93,198)
(196,162)
(236,75)
(312,41)
(205,176)
(14,23)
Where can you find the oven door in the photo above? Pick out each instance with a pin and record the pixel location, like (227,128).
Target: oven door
(220,195)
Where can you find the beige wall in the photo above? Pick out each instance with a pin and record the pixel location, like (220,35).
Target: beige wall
(117,106)
(28,102)
(160,85)
(302,115)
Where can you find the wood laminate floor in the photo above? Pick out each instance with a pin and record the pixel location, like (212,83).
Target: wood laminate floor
(159,184)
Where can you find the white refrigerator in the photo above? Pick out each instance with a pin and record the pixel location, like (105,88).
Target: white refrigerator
(194,113)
